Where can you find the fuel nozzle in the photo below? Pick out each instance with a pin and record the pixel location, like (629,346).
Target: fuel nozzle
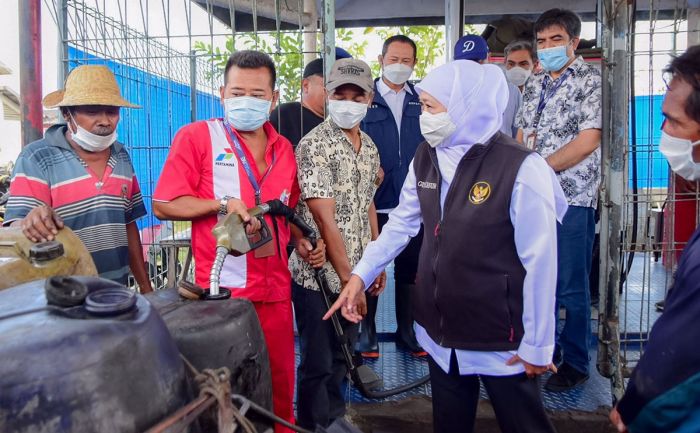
(230,232)
(231,238)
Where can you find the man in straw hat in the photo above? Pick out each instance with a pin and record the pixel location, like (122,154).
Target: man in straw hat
(80,176)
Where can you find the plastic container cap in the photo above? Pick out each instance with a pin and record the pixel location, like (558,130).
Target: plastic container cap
(110,301)
(45,251)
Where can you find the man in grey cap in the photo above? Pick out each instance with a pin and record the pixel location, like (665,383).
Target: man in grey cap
(294,120)
(337,169)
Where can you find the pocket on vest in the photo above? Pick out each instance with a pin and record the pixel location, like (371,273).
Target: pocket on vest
(478,310)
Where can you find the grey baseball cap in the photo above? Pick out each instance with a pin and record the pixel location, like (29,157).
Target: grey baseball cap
(350,71)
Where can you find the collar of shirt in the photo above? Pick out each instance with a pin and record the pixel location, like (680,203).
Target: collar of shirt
(56,136)
(573,67)
(273,138)
(340,135)
(384,88)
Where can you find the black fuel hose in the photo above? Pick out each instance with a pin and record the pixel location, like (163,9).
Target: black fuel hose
(277,208)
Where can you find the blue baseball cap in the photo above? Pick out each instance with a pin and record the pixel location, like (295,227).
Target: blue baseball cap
(342,54)
(471,47)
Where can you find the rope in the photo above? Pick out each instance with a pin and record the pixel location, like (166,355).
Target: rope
(217,383)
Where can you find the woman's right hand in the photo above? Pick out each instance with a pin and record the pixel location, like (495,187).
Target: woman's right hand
(350,301)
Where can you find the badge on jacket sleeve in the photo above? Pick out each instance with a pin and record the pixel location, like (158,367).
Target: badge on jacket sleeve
(480,192)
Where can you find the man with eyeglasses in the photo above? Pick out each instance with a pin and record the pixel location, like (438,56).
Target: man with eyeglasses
(561,119)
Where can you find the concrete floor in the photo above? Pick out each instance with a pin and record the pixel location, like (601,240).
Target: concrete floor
(414,415)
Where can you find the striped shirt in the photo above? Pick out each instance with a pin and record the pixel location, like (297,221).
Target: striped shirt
(50,172)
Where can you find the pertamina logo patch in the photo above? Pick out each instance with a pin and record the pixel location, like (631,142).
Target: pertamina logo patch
(480,192)
(227,158)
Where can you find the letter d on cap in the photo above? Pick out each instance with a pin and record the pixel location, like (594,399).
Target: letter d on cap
(468,46)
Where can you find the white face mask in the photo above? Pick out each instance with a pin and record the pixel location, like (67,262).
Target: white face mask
(346,114)
(397,73)
(517,75)
(89,141)
(679,153)
(436,127)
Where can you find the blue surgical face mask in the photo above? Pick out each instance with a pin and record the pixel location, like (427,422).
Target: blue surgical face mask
(553,59)
(246,113)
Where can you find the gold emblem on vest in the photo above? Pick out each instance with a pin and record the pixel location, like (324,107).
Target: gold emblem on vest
(480,192)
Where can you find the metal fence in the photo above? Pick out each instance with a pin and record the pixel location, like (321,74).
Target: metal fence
(167,56)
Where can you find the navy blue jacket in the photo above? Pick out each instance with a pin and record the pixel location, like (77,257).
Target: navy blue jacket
(663,394)
(395,155)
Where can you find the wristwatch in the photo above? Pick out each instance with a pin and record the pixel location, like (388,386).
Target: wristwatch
(223,205)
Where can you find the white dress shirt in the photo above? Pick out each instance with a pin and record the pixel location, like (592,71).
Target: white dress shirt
(394,100)
(537,202)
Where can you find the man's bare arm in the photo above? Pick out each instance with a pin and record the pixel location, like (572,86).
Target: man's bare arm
(575,151)
(323,211)
(136,263)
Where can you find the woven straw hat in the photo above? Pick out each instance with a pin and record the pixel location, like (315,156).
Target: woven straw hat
(88,85)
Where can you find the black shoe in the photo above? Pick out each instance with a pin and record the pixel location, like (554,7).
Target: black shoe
(367,342)
(565,379)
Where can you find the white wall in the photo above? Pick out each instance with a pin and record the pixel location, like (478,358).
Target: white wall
(9,138)
(10,132)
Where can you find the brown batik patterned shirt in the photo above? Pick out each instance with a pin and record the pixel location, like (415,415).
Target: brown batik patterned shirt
(328,167)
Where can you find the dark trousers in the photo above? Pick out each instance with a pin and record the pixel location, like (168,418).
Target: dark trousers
(406,263)
(405,266)
(575,248)
(516,400)
(322,367)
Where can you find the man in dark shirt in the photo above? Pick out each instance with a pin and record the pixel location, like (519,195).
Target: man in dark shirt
(294,120)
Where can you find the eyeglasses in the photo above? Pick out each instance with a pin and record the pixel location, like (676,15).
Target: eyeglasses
(667,76)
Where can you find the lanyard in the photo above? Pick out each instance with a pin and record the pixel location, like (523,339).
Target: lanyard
(545,95)
(246,165)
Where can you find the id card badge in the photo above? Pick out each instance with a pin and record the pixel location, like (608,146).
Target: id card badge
(530,140)
(265,250)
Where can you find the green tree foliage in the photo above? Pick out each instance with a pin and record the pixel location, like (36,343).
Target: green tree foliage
(286,47)
(430,41)
(347,39)
(285,51)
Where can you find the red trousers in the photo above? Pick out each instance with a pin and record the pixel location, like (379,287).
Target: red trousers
(277,325)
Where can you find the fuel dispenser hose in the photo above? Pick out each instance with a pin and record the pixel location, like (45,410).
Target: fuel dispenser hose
(362,376)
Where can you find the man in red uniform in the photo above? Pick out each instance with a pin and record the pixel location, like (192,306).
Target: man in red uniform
(229,165)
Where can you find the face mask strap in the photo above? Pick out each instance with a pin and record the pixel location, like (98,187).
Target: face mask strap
(75,122)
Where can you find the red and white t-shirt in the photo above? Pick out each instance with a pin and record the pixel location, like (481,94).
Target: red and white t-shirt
(202,163)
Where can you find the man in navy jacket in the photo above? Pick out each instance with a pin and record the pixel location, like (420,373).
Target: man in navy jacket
(392,123)
(663,394)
